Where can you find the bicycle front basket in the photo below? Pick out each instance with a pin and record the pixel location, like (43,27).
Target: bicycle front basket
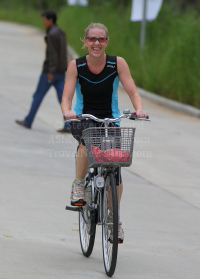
(109,146)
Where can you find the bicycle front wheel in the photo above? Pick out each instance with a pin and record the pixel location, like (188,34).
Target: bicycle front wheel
(87,225)
(110,225)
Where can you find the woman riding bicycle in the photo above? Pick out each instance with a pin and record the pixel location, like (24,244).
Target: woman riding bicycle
(96,78)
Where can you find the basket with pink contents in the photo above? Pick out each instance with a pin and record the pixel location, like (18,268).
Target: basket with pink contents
(109,146)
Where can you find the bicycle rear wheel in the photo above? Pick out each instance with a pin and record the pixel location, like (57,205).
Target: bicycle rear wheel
(110,225)
(87,225)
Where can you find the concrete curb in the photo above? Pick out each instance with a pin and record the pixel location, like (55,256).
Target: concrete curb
(156,98)
(169,103)
(71,51)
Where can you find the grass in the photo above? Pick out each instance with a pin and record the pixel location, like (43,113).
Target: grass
(169,63)
(22,15)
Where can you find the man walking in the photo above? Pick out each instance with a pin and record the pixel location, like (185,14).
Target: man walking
(54,68)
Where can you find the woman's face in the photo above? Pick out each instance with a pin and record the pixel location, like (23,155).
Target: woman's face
(96,48)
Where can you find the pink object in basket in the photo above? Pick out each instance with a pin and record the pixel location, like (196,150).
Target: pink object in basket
(97,153)
(110,155)
(116,155)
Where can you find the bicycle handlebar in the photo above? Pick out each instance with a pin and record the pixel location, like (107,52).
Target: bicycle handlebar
(131,116)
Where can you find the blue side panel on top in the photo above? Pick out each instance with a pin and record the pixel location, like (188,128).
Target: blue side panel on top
(79,99)
(111,62)
(115,108)
(80,65)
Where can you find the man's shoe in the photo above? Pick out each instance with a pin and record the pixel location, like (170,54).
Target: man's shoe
(21,123)
(64,130)
(77,193)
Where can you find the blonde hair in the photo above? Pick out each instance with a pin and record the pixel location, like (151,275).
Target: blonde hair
(93,26)
(98,26)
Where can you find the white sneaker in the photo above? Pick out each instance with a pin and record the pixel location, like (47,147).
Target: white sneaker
(120,230)
(120,234)
(77,193)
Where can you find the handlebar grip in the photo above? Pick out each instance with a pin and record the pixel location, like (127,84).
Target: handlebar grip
(134,116)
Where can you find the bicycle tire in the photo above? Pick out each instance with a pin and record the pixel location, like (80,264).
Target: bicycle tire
(110,246)
(87,232)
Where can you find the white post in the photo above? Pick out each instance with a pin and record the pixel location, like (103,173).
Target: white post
(143,25)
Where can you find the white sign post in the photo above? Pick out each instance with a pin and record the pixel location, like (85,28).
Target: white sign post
(143,10)
(143,26)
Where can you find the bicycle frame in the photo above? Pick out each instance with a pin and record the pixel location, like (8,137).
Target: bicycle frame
(106,121)
(101,205)
(97,192)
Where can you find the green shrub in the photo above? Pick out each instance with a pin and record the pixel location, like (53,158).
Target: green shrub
(35,4)
(169,63)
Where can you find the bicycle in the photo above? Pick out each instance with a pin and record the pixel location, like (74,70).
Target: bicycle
(107,148)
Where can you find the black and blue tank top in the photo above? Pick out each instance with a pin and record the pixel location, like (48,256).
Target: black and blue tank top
(97,94)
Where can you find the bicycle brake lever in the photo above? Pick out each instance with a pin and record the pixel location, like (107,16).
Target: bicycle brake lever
(79,117)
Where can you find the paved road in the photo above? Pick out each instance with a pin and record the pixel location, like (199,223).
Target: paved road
(38,238)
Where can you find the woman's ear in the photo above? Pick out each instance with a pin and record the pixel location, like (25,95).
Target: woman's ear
(85,42)
(107,43)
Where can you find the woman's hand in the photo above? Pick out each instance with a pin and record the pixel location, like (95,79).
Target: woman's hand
(141,113)
(70,114)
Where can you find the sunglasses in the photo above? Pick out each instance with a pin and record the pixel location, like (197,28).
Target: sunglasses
(94,39)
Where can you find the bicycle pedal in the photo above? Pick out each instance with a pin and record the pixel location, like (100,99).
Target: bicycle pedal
(110,240)
(78,203)
(120,240)
(72,208)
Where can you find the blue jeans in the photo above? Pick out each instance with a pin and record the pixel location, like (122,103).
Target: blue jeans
(42,88)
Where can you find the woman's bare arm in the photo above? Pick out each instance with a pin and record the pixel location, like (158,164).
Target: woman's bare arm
(69,89)
(130,87)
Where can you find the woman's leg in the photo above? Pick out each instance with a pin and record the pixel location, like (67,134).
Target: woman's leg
(119,193)
(77,192)
(81,162)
